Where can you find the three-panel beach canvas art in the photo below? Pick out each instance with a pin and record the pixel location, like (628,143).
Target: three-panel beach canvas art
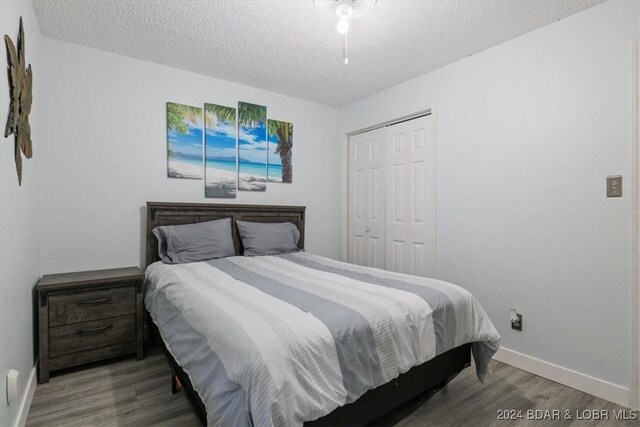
(232,149)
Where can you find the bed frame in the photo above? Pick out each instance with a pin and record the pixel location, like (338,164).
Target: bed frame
(418,381)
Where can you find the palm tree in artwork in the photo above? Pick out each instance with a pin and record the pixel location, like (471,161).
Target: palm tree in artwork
(221,114)
(251,114)
(284,132)
(177,114)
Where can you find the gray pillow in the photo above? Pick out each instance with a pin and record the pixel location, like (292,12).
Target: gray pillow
(268,238)
(178,244)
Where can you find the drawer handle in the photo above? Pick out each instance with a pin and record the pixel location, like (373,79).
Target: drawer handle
(93,330)
(95,301)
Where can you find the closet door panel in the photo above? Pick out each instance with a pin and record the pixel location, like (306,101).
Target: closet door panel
(411,197)
(397,198)
(367,199)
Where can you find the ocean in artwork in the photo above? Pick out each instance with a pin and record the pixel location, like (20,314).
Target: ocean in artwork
(280,146)
(252,147)
(274,172)
(221,172)
(184,141)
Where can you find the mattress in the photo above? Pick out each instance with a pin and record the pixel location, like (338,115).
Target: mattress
(281,340)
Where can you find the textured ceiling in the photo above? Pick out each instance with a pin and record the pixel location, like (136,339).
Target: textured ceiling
(291,48)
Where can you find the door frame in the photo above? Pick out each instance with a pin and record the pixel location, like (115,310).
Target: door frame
(344,147)
(634,390)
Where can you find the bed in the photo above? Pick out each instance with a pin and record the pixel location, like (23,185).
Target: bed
(298,339)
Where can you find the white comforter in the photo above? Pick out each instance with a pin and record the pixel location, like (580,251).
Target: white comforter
(281,340)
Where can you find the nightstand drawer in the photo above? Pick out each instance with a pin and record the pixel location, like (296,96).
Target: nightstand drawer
(91,305)
(93,355)
(90,335)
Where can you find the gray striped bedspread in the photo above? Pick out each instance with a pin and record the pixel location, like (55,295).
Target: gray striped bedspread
(280,340)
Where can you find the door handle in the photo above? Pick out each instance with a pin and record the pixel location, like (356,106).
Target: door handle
(366,229)
(93,331)
(95,301)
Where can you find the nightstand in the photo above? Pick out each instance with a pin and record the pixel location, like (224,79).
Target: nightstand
(88,316)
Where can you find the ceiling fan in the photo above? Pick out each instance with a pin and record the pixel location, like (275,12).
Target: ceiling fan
(344,10)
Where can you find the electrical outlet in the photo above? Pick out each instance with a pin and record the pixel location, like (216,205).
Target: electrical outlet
(516,320)
(614,186)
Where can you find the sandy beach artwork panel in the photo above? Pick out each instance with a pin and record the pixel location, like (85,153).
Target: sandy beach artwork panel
(280,167)
(252,147)
(221,152)
(184,141)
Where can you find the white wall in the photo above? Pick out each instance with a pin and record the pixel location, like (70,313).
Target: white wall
(527,133)
(106,156)
(19,216)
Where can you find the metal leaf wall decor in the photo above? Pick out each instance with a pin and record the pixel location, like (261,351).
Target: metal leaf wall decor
(20,84)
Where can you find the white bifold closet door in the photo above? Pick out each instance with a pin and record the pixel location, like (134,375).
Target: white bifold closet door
(366,199)
(392,198)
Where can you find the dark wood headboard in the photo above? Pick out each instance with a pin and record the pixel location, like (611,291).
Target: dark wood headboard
(189,213)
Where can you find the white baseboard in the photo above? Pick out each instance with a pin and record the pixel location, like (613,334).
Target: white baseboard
(27,398)
(585,383)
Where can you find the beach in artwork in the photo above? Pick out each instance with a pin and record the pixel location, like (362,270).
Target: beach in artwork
(280,145)
(274,172)
(184,141)
(252,176)
(185,168)
(221,179)
(252,147)
(220,152)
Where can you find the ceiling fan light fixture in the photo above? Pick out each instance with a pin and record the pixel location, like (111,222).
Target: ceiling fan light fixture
(357,7)
(343,25)
(344,10)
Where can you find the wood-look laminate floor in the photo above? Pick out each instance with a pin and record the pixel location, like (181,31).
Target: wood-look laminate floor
(131,393)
